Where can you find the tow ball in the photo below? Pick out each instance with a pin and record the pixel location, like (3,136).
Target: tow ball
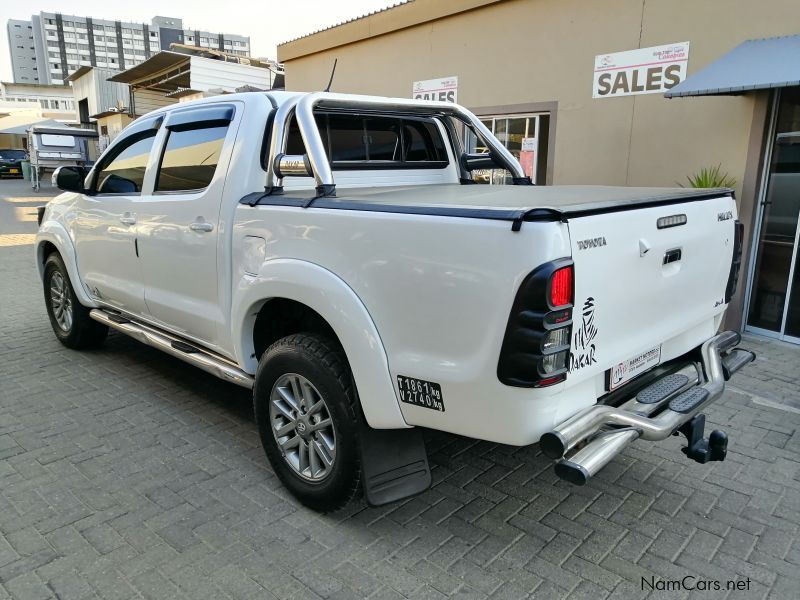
(699,448)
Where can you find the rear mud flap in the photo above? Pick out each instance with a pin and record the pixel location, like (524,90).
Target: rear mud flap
(394,463)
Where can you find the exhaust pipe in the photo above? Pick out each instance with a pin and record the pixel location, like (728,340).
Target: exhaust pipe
(677,400)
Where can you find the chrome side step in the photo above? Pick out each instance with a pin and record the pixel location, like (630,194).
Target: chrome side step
(209,362)
(658,411)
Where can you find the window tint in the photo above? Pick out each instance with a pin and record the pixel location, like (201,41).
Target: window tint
(383,139)
(125,172)
(357,141)
(346,138)
(190,159)
(423,142)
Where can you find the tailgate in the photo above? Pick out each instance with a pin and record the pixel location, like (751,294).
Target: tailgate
(646,293)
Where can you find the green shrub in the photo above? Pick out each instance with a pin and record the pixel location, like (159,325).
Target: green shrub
(711,177)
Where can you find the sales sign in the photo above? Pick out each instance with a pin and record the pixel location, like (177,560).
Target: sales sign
(444,89)
(643,71)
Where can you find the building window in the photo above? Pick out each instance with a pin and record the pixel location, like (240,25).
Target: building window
(525,136)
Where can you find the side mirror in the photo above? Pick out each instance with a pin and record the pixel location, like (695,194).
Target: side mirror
(69,179)
(474,162)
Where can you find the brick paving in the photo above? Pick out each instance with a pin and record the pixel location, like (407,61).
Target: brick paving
(126,474)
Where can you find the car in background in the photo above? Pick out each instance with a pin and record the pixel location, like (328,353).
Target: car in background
(11,161)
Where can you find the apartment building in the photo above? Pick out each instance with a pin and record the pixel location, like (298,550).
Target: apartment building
(51,46)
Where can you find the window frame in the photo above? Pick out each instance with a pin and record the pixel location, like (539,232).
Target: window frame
(200,117)
(382,165)
(149,128)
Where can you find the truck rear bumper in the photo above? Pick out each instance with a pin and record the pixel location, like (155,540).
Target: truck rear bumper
(589,440)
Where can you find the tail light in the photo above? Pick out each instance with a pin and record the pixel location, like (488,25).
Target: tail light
(535,351)
(736,261)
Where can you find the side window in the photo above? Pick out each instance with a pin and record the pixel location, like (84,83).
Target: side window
(190,159)
(123,173)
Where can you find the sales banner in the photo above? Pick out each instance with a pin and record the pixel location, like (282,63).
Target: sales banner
(643,71)
(444,89)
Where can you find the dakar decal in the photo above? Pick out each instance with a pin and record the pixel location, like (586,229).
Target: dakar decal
(583,349)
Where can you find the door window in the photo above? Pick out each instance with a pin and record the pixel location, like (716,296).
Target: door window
(124,170)
(190,159)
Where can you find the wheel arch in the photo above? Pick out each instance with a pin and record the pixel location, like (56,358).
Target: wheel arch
(291,284)
(52,237)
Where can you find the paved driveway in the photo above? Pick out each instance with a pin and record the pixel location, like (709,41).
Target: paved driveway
(126,474)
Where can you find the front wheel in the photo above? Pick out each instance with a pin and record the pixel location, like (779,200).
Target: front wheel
(305,410)
(69,318)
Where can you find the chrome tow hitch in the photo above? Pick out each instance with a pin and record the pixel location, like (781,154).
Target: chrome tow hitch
(588,441)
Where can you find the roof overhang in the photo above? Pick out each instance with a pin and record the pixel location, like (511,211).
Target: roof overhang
(402,15)
(752,65)
(82,70)
(20,124)
(73,131)
(157,64)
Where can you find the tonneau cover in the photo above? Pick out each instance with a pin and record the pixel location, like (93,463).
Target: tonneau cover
(513,202)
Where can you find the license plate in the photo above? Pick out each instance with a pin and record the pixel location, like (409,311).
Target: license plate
(13,170)
(622,373)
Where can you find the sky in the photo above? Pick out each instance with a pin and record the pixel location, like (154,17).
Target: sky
(267,22)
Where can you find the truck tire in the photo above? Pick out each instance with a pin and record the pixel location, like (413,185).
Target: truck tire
(69,318)
(305,408)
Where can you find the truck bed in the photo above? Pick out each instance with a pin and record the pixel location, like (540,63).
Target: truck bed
(512,203)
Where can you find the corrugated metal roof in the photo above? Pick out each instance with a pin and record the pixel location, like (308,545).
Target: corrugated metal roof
(369,14)
(752,65)
(155,64)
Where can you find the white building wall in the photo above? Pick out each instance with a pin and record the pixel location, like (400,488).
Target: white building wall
(208,74)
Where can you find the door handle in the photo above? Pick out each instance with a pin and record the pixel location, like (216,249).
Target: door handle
(201,226)
(128,219)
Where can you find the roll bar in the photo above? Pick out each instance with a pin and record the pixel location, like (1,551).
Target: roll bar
(303,108)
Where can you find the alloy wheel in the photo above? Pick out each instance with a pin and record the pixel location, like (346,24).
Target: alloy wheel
(302,426)
(60,301)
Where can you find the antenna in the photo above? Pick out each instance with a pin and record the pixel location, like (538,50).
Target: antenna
(333,72)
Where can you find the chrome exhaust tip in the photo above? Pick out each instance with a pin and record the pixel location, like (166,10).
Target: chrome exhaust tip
(572,472)
(553,445)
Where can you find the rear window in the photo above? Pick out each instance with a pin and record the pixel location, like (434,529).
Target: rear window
(382,142)
(12,154)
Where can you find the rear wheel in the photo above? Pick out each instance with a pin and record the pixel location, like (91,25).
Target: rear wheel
(305,410)
(69,318)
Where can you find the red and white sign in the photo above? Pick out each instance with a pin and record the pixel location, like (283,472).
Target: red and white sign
(643,71)
(444,89)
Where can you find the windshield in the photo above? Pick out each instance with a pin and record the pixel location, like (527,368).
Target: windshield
(12,154)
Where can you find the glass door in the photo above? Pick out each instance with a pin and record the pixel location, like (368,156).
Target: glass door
(775,292)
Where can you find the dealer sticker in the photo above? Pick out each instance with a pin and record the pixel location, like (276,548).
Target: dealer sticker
(622,373)
(419,392)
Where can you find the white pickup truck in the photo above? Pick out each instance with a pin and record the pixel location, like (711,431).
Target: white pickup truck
(400,295)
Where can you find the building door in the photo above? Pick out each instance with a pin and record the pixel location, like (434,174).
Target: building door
(774,305)
(525,136)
